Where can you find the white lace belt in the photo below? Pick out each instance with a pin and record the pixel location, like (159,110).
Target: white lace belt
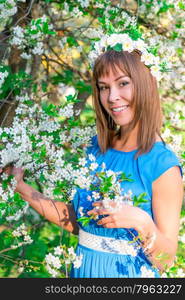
(107,244)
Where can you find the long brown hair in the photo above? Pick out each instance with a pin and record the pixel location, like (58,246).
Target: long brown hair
(146,101)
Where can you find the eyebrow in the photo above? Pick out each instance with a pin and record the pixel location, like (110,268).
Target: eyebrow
(122,76)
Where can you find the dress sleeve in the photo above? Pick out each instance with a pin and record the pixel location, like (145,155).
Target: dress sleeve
(154,163)
(164,161)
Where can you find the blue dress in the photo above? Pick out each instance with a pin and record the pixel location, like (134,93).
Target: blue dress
(102,260)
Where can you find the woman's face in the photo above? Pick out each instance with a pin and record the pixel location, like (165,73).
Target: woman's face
(116,94)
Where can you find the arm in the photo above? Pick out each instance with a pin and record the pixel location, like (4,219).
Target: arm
(166,205)
(167,195)
(56,212)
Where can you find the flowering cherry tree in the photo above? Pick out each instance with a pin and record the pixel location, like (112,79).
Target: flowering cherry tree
(47,120)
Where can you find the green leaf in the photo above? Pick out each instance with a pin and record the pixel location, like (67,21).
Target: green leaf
(118,47)
(44,86)
(125,177)
(181,5)
(50,109)
(102,20)
(180,52)
(29,103)
(42,178)
(153,50)
(81,86)
(45,27)
(72,41)
(43,151)
(84,220)
(57,191)
(139,199)
(111,28)
(134,33)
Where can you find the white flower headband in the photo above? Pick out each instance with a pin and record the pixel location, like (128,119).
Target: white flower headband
(123,42)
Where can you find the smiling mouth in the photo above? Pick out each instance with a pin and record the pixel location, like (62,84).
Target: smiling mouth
(121,108)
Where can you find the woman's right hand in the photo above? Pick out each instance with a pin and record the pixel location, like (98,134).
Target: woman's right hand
(17,172)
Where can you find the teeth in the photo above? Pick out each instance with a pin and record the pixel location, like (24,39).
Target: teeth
(120,108)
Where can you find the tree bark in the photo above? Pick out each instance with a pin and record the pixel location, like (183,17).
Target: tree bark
(15,62)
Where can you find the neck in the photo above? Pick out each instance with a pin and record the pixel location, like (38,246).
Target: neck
(131,143)
(132,139)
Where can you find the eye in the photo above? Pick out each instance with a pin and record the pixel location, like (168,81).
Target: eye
(103,88)
(124,83)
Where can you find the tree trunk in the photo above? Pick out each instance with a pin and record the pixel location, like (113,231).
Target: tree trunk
(15,62)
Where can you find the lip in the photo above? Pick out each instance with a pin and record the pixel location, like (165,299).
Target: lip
(115,113)
(119,106)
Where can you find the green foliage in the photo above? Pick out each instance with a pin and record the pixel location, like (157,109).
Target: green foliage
(125,177)
(85,220)
(139,199)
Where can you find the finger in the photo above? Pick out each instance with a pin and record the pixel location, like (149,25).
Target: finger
(105,204)
(109,225)
(99,212)
(93,212)
(105,221)
(98,203)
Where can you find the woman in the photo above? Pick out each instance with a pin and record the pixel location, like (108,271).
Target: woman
(132,241)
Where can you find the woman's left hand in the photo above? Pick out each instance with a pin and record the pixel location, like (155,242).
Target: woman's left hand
(126,216)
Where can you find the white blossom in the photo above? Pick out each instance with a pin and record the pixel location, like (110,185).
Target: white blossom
(78,261)
(58,250)
(180,273)
(128,44)
(38,49)
(91,157)
(84,3)
(3,76)
(51,271)
(80,210)
(146,273)
(82,161)
(71,251)
(93,166)
(25,55)
(67,111)
(21,232)
(95,195)
(181,238)
(53,261)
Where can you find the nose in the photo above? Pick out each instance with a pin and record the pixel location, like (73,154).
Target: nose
(113,95)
